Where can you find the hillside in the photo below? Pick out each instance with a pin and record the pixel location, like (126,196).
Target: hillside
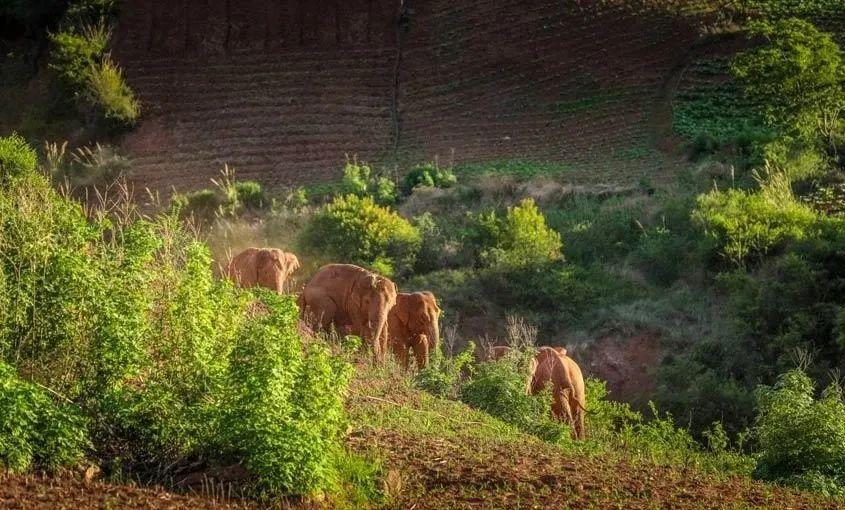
(437,453)
(283,90)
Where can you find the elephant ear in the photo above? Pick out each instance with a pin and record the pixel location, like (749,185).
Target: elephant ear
(431,299)
(293,262)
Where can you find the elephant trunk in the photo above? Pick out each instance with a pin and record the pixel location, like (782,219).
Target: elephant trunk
(434,335)
(379,332)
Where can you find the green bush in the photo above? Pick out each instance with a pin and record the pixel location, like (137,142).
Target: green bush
(498,388)
(521,238)
(227,199)
(108,91)
(801,438)
(16,156)
(430,175)
(35,431)
(251,194)
(597,230)
(285,411)
(81,59)
(359,180)
(748,225)
(795,78)
(76,51)
(124,318)
(663,256)
(442,375)
(357,230)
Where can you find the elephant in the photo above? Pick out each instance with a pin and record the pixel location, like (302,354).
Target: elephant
(352,299)
(568,393)
(413,325)
(262,267)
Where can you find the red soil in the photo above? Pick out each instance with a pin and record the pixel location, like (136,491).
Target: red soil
(281,90)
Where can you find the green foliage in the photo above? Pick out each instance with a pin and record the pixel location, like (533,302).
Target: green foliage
(498,388)
(596,230)
(251,194)
(285,411)
(430,175)
(521,238)
(359,180)
(663,255)
(748,225)
(108,91)
(796,78)
(801,438)
(125,318)
(35,430)
(75,52)
(442,375)
(16,156)
(359,231)
(714,117)
(81,59)
(229,198)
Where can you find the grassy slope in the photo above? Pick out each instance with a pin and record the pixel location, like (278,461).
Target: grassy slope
(440,454)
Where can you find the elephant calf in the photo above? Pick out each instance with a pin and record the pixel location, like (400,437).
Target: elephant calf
(413,325)
(568,393)
(351,299)
(262,267)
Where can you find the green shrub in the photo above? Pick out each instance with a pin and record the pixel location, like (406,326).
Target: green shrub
(597,230)
(36,431)
(251,194)
(357,230)
(125,318)
(285,411)
(521,238)
(76,51)
(795,78)
(16,156)
(81,59)
(359,180)
(498,388)
(108,91)
(430,175)
(227,199)
(801,438)
(442,375)
(663,256)
(748,225)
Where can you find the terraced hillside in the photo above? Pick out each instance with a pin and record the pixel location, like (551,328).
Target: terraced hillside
(281,90)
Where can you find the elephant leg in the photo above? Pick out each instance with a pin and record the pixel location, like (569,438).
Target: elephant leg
(580,432)
(322,312)
(420,347)
(400,351)
(565,396)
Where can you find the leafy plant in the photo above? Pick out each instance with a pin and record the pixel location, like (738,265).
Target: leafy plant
(357,230)
(801,438)
(108,91)
(359,180)
(521,238)
(16,156)
(748,225)
(796,78)
(428,174)
(36,431)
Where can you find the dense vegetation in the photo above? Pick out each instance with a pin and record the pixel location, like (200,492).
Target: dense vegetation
(117,343)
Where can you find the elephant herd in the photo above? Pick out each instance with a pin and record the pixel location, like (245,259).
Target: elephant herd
(354,301)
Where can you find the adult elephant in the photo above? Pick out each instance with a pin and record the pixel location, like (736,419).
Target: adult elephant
(414,326)
(262,267)
(568,393)
(351,299)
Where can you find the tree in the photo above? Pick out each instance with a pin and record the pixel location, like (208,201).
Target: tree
(797,79)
